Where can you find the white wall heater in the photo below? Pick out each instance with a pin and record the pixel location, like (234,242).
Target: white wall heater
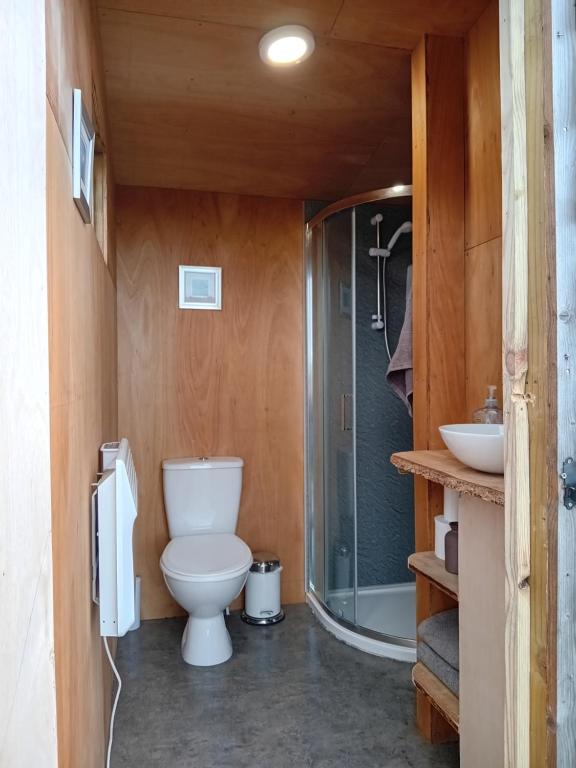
(114,510)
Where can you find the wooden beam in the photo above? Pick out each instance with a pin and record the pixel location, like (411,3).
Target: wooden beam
(516,399)
(541,382)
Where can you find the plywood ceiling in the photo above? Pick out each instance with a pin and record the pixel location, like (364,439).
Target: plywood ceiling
(192,106)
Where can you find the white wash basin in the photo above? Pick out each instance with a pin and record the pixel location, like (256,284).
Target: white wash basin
(480,446)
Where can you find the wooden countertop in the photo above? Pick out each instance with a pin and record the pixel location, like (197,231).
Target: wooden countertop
(441,467)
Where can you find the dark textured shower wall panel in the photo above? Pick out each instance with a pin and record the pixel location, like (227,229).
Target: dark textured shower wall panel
(385,503)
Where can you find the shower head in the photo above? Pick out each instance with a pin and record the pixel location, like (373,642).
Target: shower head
(403,229)
(376,219)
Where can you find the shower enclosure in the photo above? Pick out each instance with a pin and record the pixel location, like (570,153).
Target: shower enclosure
(360,519)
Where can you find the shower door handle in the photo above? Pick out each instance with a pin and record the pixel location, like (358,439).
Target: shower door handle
(346,413)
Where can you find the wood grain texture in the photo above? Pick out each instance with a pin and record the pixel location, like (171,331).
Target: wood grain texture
(211,116)
(443,468)
(483,291)
(27,703)
(516,402)
(319,15)
(483,144)
(438,253)
(432,568)
(74,60)
(481,581)
(483,206)
(438,239)
(83,414)
(83,386)
(440,697)
(561,35)
(220,383)
(438,300)
(402,23)
(542,382)
(396,23)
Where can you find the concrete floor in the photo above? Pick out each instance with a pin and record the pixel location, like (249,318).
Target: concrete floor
(292,696)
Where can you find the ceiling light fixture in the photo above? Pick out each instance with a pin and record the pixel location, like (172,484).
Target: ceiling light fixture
(286,45)
(398,188)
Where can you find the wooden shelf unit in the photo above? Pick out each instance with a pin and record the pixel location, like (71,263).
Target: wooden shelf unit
(441,467)
(429,566)
(437,694)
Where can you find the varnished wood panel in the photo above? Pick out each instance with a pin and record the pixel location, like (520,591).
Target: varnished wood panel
(401,23)
(438,308)
(83,386)
(483,292)
(319,15)
(27,701)
(483,145)
(74,60)
(83,414)
(395,23)
(192,106)
(221,383)
(438,240)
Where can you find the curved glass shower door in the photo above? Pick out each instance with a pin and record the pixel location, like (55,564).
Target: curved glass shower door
(360,511)
(332,547)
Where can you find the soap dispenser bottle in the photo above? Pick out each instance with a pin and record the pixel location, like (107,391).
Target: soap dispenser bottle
(490,413)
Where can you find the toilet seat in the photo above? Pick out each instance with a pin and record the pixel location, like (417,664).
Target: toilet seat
(206,557)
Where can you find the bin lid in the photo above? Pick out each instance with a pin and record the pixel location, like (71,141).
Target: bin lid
(265,562)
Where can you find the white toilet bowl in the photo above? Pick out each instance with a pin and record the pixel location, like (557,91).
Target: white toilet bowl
(204,573)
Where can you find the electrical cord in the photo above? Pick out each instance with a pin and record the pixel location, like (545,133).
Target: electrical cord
(113,713)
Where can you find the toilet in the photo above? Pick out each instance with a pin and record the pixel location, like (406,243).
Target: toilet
(205,565)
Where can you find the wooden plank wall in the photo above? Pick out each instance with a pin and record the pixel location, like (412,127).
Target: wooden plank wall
(439,313)
(83,388)
(27,702)
(222,383)
(483,208)
(457,253)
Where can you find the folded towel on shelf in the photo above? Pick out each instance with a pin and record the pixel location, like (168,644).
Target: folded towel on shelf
(399,374)
(438,666)
(440,633)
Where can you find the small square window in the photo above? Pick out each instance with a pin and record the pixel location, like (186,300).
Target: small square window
(200,287)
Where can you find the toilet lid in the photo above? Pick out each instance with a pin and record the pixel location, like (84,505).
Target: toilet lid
(208,556)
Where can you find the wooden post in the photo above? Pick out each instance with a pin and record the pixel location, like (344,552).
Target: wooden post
(541,381)
(516,401)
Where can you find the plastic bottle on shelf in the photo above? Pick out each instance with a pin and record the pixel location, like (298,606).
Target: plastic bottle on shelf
(490,413)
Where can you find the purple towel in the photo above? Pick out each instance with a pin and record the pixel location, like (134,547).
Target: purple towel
(399,374)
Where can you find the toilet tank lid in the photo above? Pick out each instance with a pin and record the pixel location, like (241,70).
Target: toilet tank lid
(203,462)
